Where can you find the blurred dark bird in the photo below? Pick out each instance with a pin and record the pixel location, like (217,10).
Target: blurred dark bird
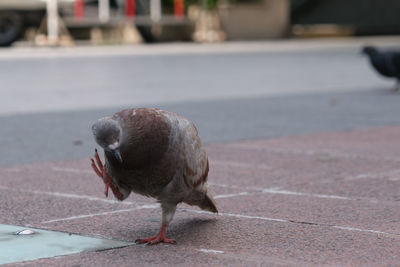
(387,63)
(154,153)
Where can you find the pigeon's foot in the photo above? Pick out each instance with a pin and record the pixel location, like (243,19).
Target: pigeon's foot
(396,86)
(99,169)
(160,238)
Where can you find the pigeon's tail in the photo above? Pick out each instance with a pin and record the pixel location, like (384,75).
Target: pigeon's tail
(208,203)
(203,200)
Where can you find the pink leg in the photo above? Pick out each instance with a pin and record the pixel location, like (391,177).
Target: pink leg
(102,173)
(96,170)
(159,238)
(114,188)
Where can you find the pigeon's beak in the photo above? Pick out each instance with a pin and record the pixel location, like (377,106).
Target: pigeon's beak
(117,154)
(114,148)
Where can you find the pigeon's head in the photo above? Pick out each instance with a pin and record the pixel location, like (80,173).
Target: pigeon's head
(369,50)
(107,133)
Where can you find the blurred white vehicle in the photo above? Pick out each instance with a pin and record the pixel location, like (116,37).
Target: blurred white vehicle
(17,15)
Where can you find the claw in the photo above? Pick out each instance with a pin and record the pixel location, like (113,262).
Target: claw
(107,182)
(159,238)
(98,160)
(98,167)
(96,170)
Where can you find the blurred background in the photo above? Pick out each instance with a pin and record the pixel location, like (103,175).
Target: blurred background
(134,21)
(240,69)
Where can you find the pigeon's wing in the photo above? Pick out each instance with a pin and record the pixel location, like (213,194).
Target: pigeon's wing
(382,62)
(196,165)
(396,64)
(390,64)
(189,150)
(196,170)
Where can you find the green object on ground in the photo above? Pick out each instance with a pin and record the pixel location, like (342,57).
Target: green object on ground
(45,244)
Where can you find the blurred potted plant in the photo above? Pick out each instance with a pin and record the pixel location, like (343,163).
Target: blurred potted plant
(254,19)
(207,23)
(217,20)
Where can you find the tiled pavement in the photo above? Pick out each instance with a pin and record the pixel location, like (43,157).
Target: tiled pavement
(317,199)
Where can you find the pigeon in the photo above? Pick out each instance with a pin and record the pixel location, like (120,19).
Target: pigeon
(154,153)
(387,63)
